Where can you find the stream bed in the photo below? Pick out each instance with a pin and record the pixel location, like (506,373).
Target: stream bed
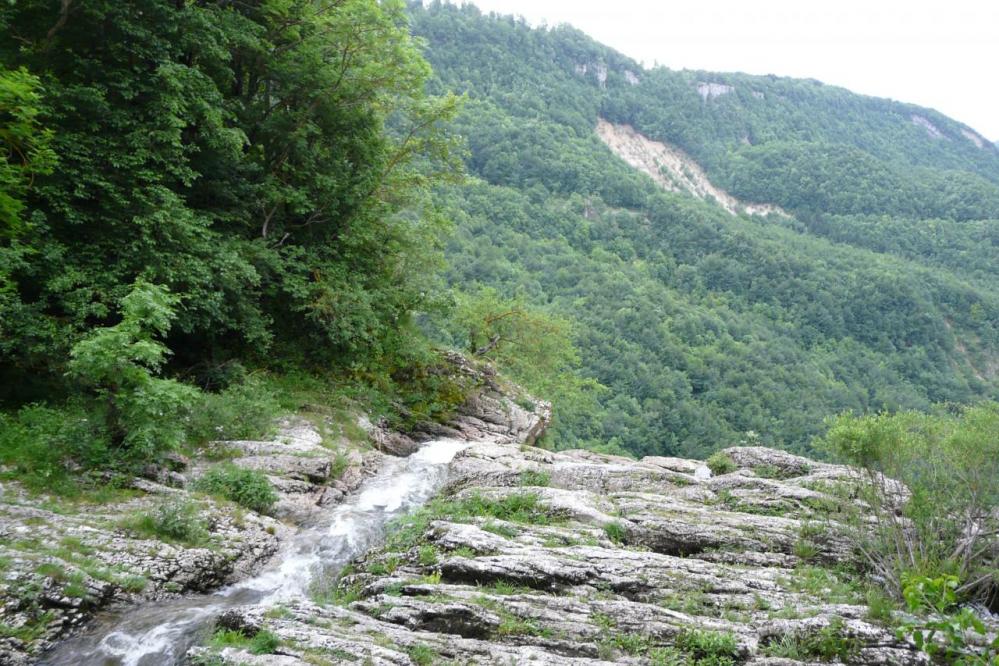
(159,633)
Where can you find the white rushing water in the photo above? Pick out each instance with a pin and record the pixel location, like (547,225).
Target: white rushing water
(160,633)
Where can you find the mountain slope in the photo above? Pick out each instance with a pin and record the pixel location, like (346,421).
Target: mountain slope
(710,328)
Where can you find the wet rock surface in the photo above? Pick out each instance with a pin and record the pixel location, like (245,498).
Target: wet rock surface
(62,561)
(610,560)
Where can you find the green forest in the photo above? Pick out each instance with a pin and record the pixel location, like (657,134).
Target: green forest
(695,328)
(210,210)
(199,198)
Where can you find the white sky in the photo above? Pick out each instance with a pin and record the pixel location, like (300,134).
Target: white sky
(943,55)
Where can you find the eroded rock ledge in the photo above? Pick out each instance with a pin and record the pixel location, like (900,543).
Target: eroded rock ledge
(61,563)
(64,561)
(575,557)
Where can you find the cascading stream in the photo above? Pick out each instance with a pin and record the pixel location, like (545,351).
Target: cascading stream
(160,633)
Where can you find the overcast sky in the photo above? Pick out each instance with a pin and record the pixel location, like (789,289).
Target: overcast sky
(943,55)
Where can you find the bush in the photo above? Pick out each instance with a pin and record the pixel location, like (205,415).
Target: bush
(830,643)
(943,633)
(242,411)
(262,642)
(615,531)
(929,481)
(41,444)
(880,606)
(709,646)
(427,555)
(246,487)
(422,655)
(172,521)
(517,508)
(720,463)
(535,478)
(143,414)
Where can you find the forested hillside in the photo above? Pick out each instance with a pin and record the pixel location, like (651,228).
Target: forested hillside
(210,210)
(192,192)
(707,329)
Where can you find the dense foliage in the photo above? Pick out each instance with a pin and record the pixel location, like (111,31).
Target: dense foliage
(704,326)
(945,520)
(262,160)
(191,189)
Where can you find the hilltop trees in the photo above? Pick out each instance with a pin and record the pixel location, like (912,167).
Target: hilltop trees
(703,325)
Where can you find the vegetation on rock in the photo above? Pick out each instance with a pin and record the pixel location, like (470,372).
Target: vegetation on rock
(246,487)
(928,482)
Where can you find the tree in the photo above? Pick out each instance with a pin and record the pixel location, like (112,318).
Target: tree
(142,412)
(929,481)
(267,161)
(532,347)
(24,145)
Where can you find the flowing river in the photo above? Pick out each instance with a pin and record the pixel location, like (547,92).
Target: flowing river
(160,633)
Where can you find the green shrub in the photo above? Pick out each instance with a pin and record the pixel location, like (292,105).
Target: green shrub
(208,660)
(263,642)
(720,463)
(143,414)
(630,643)
(30,631)
(827,644)
(407,530)
(880,606)
(834,587)
(422,655)
(615,531)
(524,507)
(340,464)
(805,549)
(245,410)
(943,630)
(948,520)
(133,583)
(508,531)
(767,471)
(40,445)
(172,521)
(535,478)
(709,646)
(667,656)
(246,487)
(427,555)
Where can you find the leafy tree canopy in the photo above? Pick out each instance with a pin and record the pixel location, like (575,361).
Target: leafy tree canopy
(263,160)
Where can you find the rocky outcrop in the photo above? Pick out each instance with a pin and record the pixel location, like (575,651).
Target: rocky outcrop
(533,556)
(931,130)
(708,90)
(61,561)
